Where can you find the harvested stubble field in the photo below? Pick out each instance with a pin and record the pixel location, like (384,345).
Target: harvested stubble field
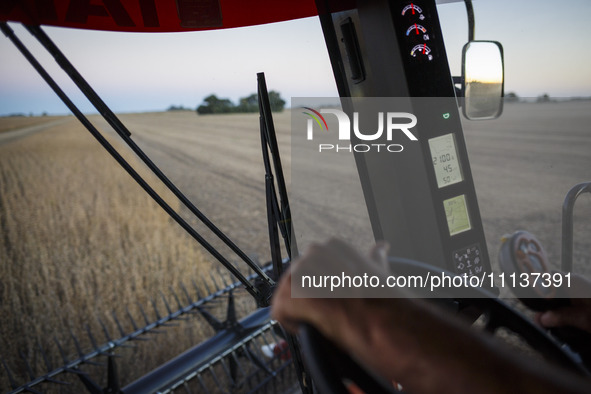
(18,122)
(79,239)
(79,242)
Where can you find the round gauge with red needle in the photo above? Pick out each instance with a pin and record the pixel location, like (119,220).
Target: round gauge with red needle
(416,29)
(413,9)
(422,52)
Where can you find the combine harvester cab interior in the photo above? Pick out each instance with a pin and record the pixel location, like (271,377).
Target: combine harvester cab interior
(388,58)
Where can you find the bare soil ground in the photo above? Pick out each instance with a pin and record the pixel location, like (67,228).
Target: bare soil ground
(524,163)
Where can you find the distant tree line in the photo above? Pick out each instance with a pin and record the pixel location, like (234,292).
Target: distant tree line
(512,97)
(214,105)
(178,108)
(22,115)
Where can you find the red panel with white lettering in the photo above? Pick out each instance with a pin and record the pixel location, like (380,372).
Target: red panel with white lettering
(154,15)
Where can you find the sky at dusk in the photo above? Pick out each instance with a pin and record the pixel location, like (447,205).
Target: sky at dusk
(545,46)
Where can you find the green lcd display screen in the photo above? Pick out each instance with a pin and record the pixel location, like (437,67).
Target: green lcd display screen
(456,212)
(445,160)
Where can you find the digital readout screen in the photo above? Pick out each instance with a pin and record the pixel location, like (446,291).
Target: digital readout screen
(445,160)
(456,212)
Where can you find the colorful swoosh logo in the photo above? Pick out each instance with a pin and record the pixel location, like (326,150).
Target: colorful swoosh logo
(317,117)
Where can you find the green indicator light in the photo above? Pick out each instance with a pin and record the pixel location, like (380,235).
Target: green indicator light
(446,115)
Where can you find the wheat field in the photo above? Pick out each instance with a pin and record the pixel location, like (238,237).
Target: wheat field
(79,242)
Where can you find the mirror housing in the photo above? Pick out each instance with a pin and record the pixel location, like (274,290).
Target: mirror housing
(482,80)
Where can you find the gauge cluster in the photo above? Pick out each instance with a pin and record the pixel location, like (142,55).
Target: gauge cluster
(424,195)
(417,34)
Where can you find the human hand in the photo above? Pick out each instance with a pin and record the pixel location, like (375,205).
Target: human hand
(328,315)
(577,314)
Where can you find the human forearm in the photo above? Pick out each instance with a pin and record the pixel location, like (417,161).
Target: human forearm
(421,347)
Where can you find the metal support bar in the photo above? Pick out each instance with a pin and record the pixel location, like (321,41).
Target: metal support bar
(568,223)
(471,24)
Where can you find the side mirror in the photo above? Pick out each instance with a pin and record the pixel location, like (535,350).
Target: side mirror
(482,80)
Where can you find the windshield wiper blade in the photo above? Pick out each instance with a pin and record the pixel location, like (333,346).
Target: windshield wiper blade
(278,201)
